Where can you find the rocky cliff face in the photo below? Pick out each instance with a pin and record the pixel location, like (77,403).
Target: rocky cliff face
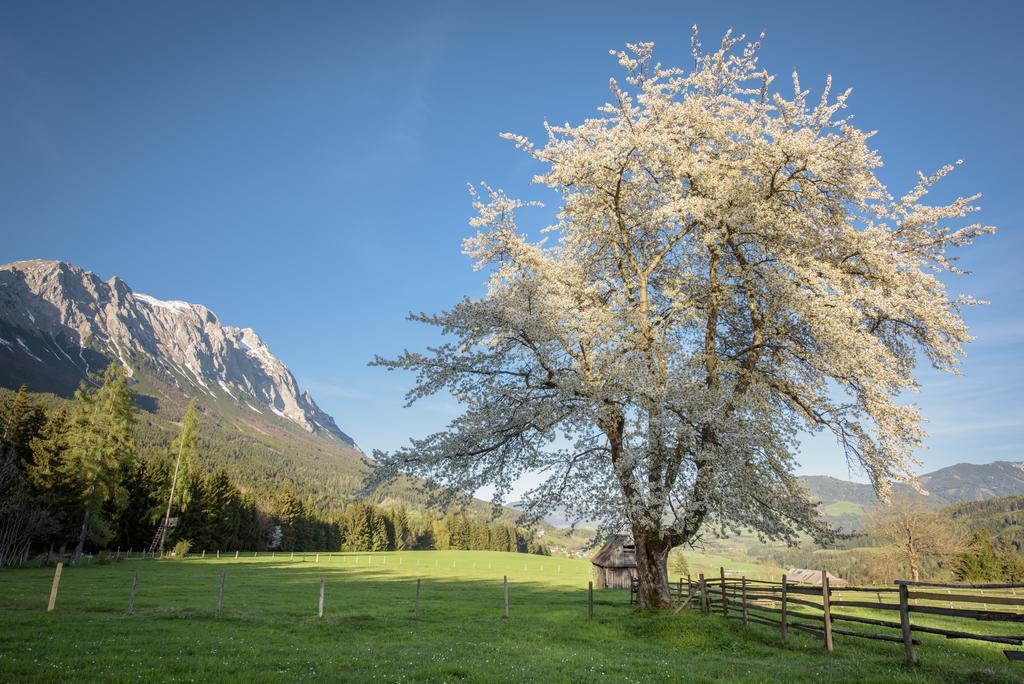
(58,323)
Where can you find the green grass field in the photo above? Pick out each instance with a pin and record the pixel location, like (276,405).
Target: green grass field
(269,631)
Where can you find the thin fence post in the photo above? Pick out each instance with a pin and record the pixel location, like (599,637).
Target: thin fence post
(783,624)
(418,580)
(131,596)
(679,591)
(826,610)
(590,600)
(908,641)
(320,609)
(236,555)
(506,595)
(53,587)
(704,608)
(204,554)
(220,594)
(725,605)
(743,597)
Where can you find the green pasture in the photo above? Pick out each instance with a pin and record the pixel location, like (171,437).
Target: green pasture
(269,629)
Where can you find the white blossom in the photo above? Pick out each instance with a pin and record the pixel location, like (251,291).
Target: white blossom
(726,270)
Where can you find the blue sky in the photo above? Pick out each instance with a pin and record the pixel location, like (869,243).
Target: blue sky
(300,168)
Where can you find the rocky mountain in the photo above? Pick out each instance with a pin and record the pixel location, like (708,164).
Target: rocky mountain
(844,502)
(59,322)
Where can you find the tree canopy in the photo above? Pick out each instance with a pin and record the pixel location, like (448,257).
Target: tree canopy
(725,271)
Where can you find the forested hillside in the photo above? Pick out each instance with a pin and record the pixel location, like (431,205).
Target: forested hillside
(96,472)
(1003,518)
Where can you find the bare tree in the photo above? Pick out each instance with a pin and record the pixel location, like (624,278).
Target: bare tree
(917,535)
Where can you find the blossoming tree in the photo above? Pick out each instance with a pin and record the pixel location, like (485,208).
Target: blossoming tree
(726,270)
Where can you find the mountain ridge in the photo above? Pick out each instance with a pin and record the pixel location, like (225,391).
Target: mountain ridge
(59,322)
(845,502)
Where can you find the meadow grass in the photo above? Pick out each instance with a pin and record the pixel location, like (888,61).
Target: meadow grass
(269,630)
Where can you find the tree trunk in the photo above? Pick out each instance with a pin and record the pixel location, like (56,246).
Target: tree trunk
(81,535)
(652,568)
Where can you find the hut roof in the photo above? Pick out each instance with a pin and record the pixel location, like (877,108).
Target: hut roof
(805,576)
(619,552)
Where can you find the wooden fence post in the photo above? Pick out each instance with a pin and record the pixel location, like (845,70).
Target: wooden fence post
(908,641)
(204,554)
(679,591)
(236,555)
(704,608)
(743,597)
(220,594)
(418,598)
(320,610)
(53,588)
(825,609)
(506,595)
(725,605)
(131,597)
(783,624)
(590,600)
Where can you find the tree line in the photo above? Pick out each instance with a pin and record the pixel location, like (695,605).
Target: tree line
(74,479)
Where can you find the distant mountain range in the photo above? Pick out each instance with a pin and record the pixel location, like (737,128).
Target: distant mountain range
(844,502)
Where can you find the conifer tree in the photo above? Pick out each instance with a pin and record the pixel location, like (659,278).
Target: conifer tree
(401,529)
(379,539)
(21,420)
(101,441)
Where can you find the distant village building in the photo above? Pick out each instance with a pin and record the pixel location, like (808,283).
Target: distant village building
(813,577)
(615,564)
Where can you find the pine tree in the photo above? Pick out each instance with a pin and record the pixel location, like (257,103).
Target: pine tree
(50,476)
(21,421)
(379,539)
(401,529)
(980,562)
(221,513)
(101,441)
(358,535)
(288,511)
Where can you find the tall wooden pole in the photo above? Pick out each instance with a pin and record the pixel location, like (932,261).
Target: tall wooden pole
(418,599)
(320,610)
(827,611)
(908,641)
(131,597)
(783,624)
(53,588)
(506,595)
(590,600)
(725,605)
(174,482)
(743,598)
(220,594)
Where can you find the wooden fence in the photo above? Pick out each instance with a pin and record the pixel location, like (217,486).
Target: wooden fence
(811,608)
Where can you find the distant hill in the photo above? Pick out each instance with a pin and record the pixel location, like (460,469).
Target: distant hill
(844,502)
(1002,517)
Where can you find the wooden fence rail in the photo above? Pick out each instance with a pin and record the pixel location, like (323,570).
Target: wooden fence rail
(810,609)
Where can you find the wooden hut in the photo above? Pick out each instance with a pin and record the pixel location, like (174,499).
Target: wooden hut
(813,578)
(615,564)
